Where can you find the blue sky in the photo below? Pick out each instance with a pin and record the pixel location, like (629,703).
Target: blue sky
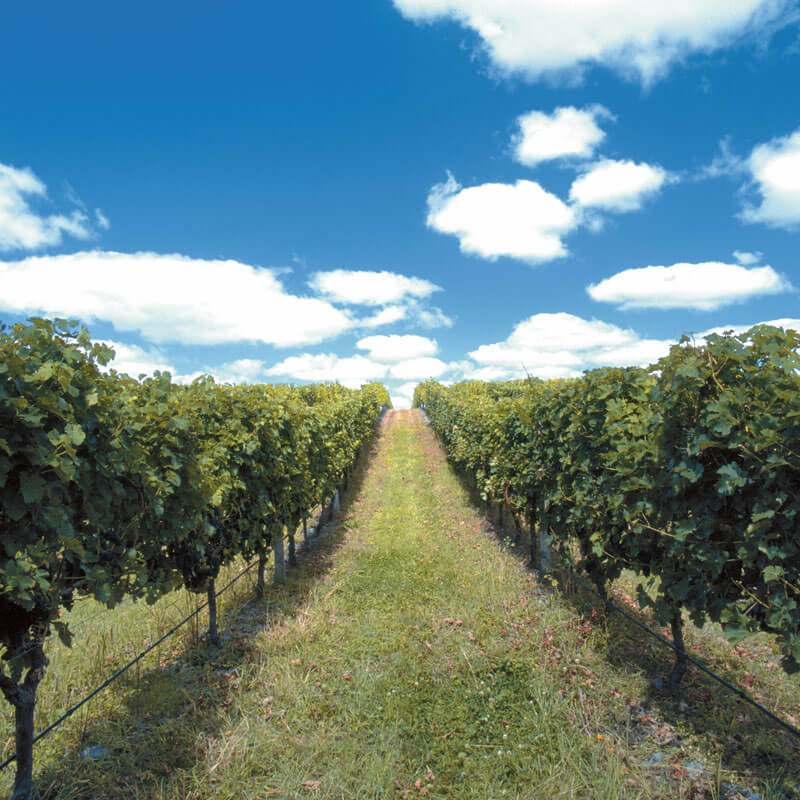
(400,189)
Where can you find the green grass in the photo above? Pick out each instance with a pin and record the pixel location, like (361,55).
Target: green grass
(409,655)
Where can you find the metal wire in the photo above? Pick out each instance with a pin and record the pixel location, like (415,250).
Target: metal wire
(70,711)
(699,664)
(74,626)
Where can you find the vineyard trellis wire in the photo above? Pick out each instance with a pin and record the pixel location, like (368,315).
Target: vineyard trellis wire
(122,670)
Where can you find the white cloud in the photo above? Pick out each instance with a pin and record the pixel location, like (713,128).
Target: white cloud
(21,228)
(366,287)
(170,298)
(101,219)
(350,372)
(133,360)
(494,219)
(775,169)
(403,395)
(705,286)
(786,323)
(567,132)
(432,317)
(386,316)
(418,369)
(617,185)
(747,259)
(412,311)
(242,370)
(469,372)
(395,348)
(641,39)
(561,345)
(725,163)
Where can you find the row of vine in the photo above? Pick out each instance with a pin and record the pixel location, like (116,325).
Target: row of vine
(112,487)
(686,473)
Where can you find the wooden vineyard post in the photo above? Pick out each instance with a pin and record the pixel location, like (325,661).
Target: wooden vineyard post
(533,547)
(681,662)
(292,547)
(262,567)
(213,632)
(280,558)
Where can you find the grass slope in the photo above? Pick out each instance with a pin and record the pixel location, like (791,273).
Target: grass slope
(409,655)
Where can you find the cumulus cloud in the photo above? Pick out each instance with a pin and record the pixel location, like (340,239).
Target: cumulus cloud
(370,288)
(568,132)
(418,369)
(21,228)
(133,360)
(403,395)
(170,298)
(495,219)
(350,372)
(540,37)
(562,345)
(242,370)
(747,259)
(617,185)
(775,170)
(395,347)
(704,286)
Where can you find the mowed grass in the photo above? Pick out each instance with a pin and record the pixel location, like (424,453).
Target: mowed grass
(409,655)
(425,661)
(105,640)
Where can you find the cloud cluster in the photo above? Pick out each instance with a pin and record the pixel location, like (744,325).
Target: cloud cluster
(398,361)
(638,39)
(351,371)
(21,228)
(401,296)
(195,301)
(775,170)
(169,298)
(562,345)
(525,221)
(704,286)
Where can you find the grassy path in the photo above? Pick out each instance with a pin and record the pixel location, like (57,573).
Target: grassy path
(421,663)
(409,655)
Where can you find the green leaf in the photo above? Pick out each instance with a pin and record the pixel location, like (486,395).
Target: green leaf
(773,572)
(76,434)
(32,487)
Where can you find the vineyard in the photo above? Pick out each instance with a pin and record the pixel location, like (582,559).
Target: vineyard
(428,660)
(114,488)
(687,474)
